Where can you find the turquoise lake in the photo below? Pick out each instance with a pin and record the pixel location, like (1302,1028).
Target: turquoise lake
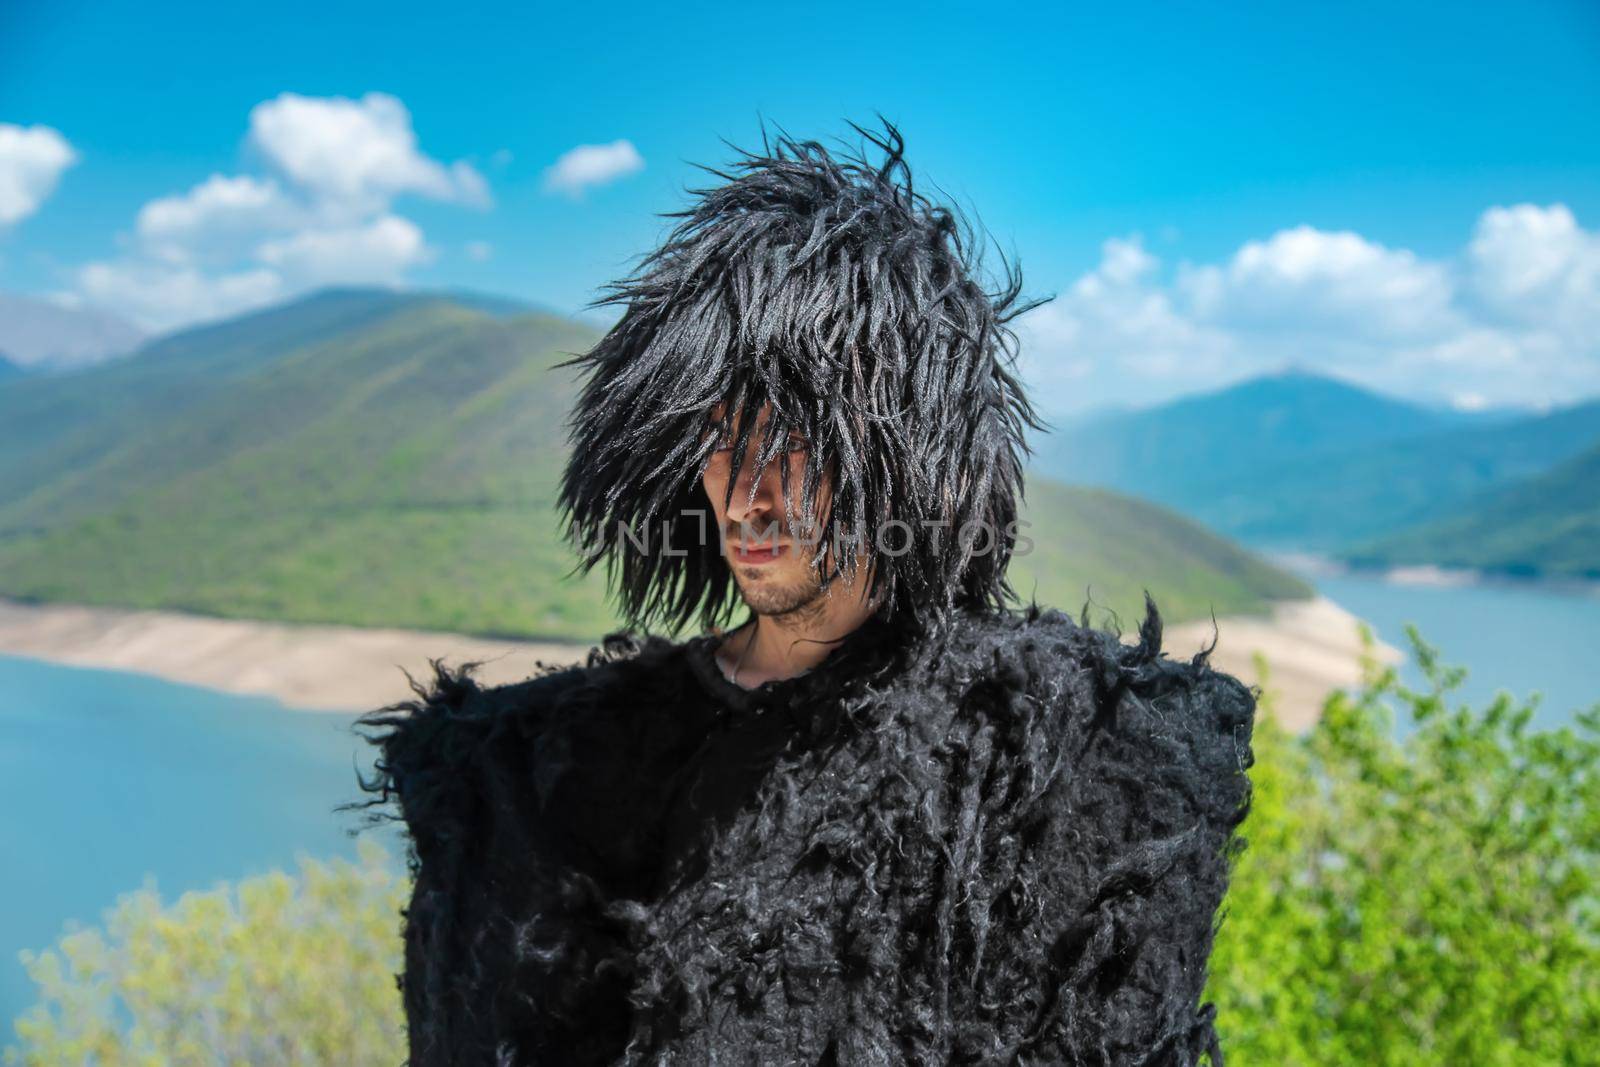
(108,777)
(1518,638)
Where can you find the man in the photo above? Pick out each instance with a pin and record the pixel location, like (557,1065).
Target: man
(892,818)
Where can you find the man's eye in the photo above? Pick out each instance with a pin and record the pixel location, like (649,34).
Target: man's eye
(797,443)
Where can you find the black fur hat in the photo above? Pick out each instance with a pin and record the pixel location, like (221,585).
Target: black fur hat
(830,288)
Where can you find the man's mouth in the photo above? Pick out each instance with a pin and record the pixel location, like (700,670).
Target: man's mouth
(760,552)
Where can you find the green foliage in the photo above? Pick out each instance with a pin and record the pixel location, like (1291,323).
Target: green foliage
(1431,898)
(279,970)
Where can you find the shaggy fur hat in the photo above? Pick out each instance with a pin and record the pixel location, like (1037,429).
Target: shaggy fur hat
(829,287)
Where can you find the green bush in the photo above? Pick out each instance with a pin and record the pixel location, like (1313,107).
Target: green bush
(1426,900)
(286,970)
(1431,899)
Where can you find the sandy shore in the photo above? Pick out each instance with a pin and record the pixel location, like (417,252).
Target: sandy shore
(1311,647)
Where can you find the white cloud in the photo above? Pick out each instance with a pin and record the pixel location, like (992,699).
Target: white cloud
(31,161)
(1307,278)
(325,216)
(164,296)
(1515,318)
(592,164)
(380,251)
(1116,319)
(1537,266)
(215,217)
(362,152)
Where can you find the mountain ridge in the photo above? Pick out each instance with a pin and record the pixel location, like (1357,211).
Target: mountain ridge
(398,465)
(1361,467)
(1547,526)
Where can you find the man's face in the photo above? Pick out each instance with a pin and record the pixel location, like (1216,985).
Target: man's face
(769,559)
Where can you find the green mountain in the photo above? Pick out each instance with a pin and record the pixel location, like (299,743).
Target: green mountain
(389,459)
(61,435)
(1548,525)
(1091,543)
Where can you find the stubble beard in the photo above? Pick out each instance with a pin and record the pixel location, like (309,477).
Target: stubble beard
(793,597)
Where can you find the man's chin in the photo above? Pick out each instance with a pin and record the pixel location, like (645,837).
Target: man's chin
(765,599)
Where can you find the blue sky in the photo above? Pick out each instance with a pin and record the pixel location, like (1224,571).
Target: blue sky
(1403,195)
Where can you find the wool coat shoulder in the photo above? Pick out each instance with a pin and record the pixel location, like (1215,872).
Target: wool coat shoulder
(1004,844)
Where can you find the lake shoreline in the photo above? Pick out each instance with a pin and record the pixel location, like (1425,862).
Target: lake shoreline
(1427,575)
(1311,647)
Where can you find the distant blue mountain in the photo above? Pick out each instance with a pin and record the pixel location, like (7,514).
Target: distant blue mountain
(1296,460)
(44,336)
(1230,432)
(1547,525)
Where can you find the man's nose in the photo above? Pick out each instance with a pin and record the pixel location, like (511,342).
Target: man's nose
(745,505)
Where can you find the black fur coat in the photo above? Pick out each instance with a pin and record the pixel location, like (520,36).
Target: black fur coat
(1006,844)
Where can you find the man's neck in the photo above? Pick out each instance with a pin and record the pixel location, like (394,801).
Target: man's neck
(783,646)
